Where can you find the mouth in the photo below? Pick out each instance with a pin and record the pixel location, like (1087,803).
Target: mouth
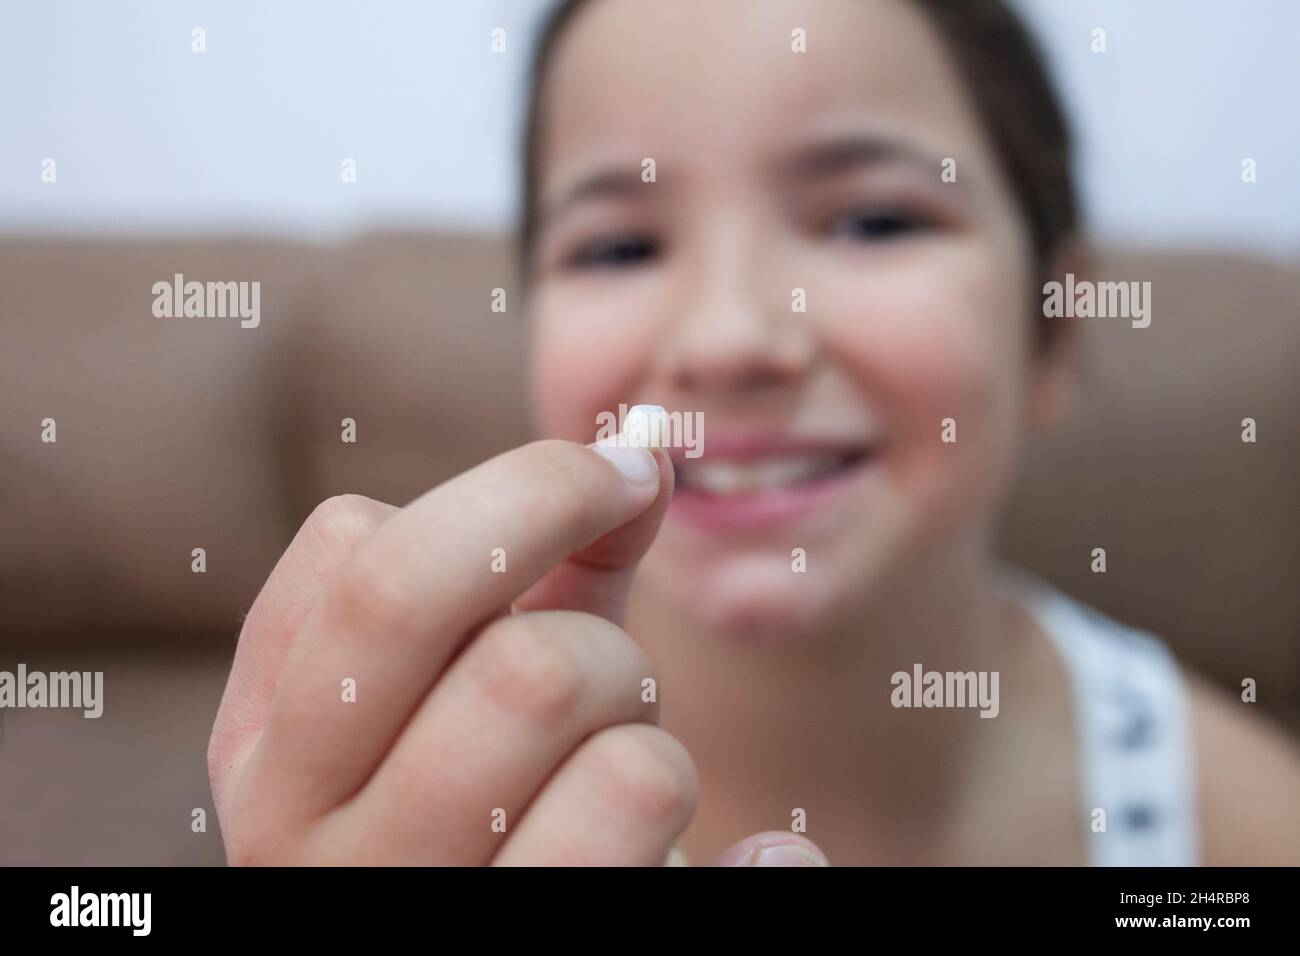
(764,481)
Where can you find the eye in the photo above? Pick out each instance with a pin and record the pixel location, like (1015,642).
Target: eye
(614,252)
(875,225)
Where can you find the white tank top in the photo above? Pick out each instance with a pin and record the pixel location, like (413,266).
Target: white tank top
(1133,723)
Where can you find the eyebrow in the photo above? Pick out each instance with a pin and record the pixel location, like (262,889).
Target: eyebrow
(609,183)
(845,153)
(829,157)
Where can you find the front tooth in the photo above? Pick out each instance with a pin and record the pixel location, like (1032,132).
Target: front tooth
(723,477)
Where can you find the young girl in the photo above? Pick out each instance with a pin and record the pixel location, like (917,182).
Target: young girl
(823,229)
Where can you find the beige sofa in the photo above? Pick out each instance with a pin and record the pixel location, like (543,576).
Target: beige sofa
(176,434)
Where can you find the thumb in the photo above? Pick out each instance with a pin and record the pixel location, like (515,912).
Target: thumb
(773,848)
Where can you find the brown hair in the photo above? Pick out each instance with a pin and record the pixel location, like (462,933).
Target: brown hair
(1011,92)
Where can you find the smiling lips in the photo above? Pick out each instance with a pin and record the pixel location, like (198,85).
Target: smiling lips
(758,481)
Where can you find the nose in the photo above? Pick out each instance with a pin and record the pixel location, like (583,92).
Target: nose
(735,330)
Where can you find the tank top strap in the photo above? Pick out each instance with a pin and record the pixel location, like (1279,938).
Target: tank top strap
(1133,724)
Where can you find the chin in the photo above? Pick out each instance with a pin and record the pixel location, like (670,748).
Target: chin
(756,600)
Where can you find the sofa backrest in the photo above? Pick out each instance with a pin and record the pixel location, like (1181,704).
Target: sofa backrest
(183,433)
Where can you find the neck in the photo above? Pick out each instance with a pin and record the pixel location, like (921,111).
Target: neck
(810,725)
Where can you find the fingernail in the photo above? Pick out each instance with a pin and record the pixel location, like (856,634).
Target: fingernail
(787,854)
(636,464)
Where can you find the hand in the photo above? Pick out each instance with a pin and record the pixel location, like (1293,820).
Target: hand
(495,717)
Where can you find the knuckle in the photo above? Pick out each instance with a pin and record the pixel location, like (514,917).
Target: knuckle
(366,597)
(643,668)
(334,530)
(645,772)
(527,669)
(342,522)
(622,659)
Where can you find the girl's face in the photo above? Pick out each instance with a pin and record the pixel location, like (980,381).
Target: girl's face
(784,179)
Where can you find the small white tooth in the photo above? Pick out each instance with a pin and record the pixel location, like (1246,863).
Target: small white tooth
(646,426)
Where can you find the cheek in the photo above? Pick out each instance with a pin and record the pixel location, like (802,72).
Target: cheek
(938,338)
(587,355)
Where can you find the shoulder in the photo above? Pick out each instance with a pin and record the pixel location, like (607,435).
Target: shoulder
(1235,770)
(1247,780)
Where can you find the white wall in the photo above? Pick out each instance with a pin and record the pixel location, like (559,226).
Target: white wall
(1185,90)
(149,136)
